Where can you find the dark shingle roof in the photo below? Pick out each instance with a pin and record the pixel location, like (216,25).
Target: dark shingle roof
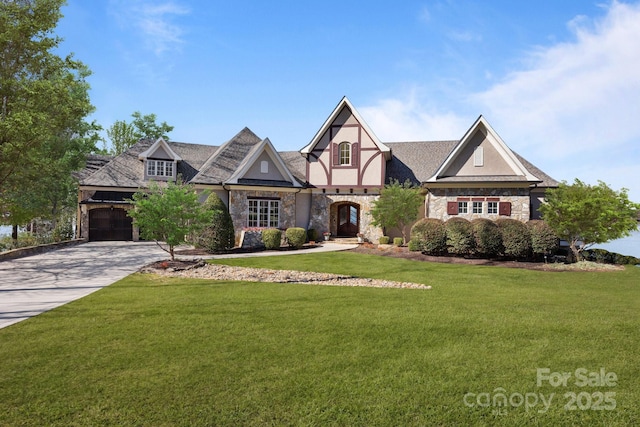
(126,170)
(296,164)
(219,167)
(416,161)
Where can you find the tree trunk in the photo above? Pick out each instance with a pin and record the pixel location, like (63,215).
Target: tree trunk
(14,234)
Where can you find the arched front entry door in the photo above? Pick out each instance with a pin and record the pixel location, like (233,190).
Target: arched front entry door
(348,220)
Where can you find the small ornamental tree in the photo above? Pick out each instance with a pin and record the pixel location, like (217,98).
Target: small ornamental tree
(585,215)
(218,235)
(397,206)
(168,214)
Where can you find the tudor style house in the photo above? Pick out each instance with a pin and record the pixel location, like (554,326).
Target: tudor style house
(329,185)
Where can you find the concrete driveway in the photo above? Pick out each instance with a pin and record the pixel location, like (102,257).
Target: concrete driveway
(35,284)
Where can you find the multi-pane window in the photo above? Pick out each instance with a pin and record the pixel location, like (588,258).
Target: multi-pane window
(159,168)
(492,208)
(264,213)
(463,207)
(476,208)
(345,153)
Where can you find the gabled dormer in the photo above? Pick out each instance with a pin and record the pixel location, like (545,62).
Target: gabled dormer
(345,152)
(160,162)
(263,166)
(482,156)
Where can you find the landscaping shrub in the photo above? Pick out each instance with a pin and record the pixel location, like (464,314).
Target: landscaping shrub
(219,234)
(398,241)
(271,237)
(603,256)
(488,241)
(543,239)
(429,235)
(384,240)
(413,246)
(296,236)
(459,233)
(516,238)
(312,234)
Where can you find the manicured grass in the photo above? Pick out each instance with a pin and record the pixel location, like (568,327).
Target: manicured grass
(156,351)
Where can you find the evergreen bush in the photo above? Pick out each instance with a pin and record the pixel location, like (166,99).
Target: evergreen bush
(219,234)
(312,234)
(488,241)
(398,241)
(460,239)
(384,240)
(296,236)
(429,235)
(271,237)
(516,238)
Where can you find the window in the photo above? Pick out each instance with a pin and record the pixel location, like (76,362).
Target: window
(345,153)
(476,208)
(492,208)
(478,157)
(463,207)
(264,213)
(159,168)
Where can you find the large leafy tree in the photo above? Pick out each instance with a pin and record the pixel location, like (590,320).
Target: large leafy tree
(585,215)
(168,213)
(397,206)
(43,102)
(123,135)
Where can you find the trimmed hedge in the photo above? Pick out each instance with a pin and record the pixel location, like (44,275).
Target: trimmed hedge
(488,240)
(543,239)
(398,241)
(296,236)
(383,240)
(429,236)
(603,256)
(516,237)
(460,239)
(271,237)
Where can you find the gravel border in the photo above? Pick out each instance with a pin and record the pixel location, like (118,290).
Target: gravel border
(203,270)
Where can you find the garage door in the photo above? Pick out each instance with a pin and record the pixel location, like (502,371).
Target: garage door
(110,224)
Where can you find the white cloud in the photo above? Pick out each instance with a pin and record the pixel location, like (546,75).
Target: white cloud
(407,120)
(573,107)
(153,21)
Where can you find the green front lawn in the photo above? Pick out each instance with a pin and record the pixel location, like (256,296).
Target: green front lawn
(156,351)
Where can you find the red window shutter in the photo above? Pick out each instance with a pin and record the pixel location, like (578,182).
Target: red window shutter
(452,208)
(336,154)
(504,208)
(355,154)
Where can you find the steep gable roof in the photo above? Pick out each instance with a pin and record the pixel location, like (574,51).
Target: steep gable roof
(516,170)
(226,160)
(416,161)
(252,157)
(345,103)
(160,146)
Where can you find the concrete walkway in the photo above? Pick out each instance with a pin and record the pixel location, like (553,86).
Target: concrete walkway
(35,284)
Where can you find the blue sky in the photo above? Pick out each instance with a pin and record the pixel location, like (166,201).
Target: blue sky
(559,81)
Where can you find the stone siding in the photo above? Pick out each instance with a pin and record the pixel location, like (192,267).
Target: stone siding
(519,198)
(239,208)
(324,217)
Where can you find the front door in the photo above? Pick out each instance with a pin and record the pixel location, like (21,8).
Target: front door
(348,220)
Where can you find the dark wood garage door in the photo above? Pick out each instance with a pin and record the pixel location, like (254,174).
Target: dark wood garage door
(110,224)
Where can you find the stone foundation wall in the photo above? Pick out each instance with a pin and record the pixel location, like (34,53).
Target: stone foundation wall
(519,198)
